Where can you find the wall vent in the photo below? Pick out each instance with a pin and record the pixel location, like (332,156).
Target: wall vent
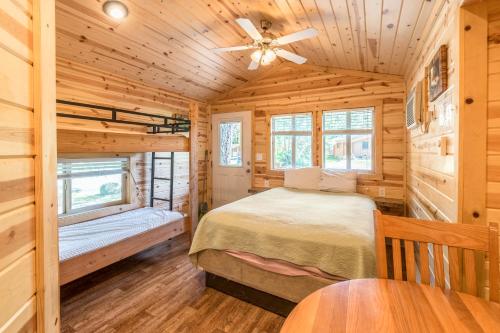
(414,106)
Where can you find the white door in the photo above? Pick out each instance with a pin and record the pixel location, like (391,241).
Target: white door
(231,156)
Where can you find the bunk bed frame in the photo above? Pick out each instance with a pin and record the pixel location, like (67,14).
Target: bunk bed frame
(92,261)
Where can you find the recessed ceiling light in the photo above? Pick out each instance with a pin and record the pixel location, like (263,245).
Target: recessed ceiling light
(115,9)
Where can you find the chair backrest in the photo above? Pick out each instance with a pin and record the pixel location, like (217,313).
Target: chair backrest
(420,238)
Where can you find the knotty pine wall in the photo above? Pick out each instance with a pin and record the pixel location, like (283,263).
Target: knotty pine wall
(77,82)
(493,144)
(25,223)
(432,177)
(306,88)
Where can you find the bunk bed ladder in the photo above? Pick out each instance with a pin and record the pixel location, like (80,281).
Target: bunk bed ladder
(152,196)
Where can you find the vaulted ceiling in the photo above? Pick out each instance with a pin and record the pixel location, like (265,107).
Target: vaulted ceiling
(167,43)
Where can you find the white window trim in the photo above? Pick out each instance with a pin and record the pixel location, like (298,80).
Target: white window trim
(67,187)
(294,134)
(349,133)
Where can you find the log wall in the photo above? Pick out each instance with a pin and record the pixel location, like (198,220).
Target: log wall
(431,175)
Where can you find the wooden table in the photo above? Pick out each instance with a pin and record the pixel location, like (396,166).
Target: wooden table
(375,305)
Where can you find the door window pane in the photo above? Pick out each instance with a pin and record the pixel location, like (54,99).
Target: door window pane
(96,190)
(361,152)
(230,144)
(283,147)
(335,151)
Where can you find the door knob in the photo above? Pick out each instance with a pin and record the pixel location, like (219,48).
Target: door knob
(248,170)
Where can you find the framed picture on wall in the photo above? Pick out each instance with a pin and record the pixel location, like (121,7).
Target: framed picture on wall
(437,73)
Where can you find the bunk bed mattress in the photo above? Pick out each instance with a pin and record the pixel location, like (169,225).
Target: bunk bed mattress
(330,231)
(81,238)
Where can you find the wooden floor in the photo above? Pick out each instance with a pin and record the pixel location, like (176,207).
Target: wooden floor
(157,291)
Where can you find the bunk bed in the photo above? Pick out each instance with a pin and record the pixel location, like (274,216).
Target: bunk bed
(91,245)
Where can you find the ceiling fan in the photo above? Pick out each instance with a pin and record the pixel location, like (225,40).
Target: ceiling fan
(267,45)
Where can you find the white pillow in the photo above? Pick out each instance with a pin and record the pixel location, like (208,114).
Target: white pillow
(303,179)
(337,181)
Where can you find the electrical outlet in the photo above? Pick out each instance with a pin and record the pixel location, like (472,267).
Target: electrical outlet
(266,182)
(381,192)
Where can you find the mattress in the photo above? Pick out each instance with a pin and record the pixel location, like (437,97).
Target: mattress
(330,231)
(80,238)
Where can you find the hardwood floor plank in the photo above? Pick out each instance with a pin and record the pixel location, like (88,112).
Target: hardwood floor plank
(157,290)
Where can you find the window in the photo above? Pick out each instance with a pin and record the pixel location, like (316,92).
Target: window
(230,144)
(86,184)
(348,139)
(291,141)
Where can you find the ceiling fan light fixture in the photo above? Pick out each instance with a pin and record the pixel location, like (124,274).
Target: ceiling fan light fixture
(256,55)
(115,9)
(268,57)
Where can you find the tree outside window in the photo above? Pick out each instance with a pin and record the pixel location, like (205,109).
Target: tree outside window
(291,141)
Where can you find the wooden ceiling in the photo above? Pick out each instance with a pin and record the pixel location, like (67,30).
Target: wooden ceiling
(167,43)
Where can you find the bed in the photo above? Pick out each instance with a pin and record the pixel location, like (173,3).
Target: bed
(288,242)
(88,246)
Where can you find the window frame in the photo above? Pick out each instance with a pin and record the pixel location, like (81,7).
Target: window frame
(376,132)
(67,200)
(292,133)
(228,121)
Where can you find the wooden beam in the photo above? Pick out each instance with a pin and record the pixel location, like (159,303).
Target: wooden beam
(47,254)
(71,141)
(193,166)
(209,162)
(473,113)
(473,119)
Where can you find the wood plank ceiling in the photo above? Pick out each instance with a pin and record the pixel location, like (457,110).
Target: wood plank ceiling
(167,43)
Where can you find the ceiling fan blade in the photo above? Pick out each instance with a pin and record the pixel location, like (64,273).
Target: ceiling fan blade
(249,28)
(253,65)
(234,48)
(296,36)
(290,56)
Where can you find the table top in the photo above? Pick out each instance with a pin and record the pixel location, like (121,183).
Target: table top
(376,305)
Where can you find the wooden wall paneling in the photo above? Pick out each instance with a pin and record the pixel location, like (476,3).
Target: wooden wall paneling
(193,168)
(17,175)
(99,87)
(16,133)
(431,178)
(17,286)
(493,149)
(17,234)
(309,89)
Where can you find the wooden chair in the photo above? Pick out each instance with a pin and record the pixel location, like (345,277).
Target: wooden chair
(462,240)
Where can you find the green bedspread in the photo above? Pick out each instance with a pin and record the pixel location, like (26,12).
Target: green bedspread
(330,231)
